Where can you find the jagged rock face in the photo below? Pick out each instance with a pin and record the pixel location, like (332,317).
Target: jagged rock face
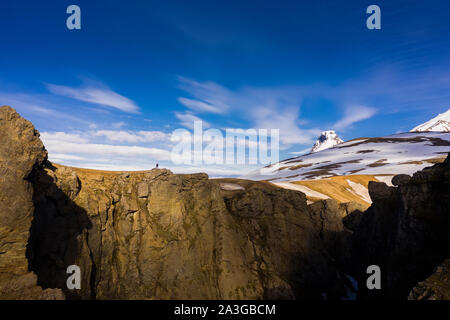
(156,235)
(405,231)
(435,287)
(152,235)
(21,151)
(328,216)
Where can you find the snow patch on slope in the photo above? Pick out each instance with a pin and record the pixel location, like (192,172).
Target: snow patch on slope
(385,179)
(439,123)
(309,192)
(360,190)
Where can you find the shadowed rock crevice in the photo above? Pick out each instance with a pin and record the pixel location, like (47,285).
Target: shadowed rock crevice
(404,232)
(291,256)
(59,231)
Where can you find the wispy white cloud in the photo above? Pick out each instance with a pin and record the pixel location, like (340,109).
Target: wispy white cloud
(133,137)
(96,95)
(354,114)
(208,96)
(118,125)
(61,157)
(263,108)
(38,105)
(187,120)
(72,144)
(287,121)
(63,137)
(200,106)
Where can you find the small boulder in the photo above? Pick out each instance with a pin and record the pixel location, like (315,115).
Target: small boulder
(400,179)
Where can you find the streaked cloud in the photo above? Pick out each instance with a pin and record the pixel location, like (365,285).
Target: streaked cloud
(261,107)
(133,137)
(200,106)
(97,95)
(354,114)
(63,137)
(71,144)
(187,120)
(287,121)
(38,106)
(118,125)
(207,96)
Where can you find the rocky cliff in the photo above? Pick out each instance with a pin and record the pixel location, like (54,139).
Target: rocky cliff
(405,231)
(21,152)
(154,234)
(159,235)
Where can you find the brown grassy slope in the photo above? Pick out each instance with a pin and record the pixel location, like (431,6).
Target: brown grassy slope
(338,188)
(335,187)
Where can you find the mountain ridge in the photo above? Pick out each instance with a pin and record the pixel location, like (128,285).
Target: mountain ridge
(439,123)
(327,139)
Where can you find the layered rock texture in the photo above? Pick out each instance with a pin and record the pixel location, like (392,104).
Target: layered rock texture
(154,234)
(159,235)
(21,152)
(435,287)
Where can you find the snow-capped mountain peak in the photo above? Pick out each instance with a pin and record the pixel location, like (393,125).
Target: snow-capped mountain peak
(439,123)
(403,153)
(326,140)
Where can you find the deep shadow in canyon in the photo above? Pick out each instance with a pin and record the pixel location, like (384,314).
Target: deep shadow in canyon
(58,224)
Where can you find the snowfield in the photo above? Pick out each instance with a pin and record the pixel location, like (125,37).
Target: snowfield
(307,191)
(439,123)
(395,154)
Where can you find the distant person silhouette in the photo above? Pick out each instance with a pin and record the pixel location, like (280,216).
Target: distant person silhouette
(157,165)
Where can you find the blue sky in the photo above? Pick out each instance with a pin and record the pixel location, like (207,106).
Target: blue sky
(139,69)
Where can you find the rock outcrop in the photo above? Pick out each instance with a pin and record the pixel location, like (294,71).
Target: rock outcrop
(21,152)
(404,232)
(157,235)
(154,234)
(435,287)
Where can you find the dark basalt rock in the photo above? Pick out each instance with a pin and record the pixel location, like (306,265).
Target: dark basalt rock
(435,287)
(405,232)
(400,179)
